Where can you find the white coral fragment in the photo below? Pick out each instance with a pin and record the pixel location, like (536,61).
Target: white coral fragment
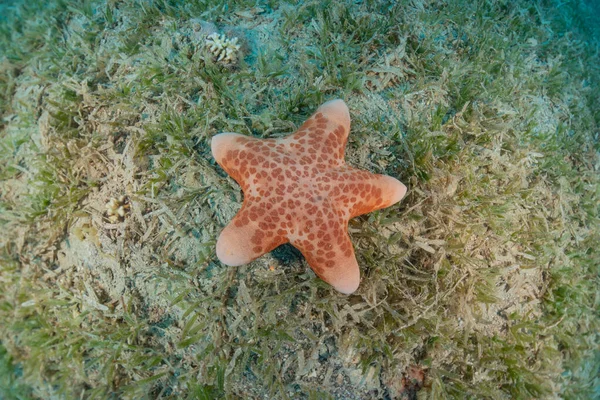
(223,49)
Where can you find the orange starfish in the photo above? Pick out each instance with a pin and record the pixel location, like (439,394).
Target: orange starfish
(299,190)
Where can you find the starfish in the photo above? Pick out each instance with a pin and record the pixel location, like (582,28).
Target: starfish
(298,189)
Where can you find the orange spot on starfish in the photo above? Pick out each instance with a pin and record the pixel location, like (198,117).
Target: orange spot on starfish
(299,189)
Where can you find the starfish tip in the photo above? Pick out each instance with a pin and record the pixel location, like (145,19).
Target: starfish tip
(336,110)
(396,189)
(229,252)
(349,284)
(221,142)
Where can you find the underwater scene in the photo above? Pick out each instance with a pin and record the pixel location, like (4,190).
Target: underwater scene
(299,199)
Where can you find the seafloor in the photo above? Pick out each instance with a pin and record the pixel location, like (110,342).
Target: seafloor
(483,282)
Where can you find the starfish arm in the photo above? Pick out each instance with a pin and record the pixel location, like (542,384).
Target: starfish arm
(385,191)
(227,149)
(321,234)
(249,235)
(246,159)
(332,259)
(321,140)
(360,192)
